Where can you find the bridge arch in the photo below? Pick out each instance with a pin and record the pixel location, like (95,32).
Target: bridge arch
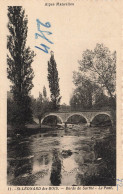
(48,115)
(78,114)
(102,113)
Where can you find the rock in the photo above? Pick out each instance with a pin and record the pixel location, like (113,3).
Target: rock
(99,159)
(66,153)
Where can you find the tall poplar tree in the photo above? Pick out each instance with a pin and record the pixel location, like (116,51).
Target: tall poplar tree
(54,83)
(44,92)
(19,62)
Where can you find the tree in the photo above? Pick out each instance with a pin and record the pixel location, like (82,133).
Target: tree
(44,92)
(99,65)
(39,109)
(54,83)
(19,62)
(101,101)
(41,105)
(81,99)
(83,95)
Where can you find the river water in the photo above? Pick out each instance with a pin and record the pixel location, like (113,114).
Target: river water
(77,155)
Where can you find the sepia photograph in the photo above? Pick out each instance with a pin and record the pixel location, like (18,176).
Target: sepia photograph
(62,66)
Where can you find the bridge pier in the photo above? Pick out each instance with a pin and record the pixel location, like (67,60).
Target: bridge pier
(65,124)
(89,124)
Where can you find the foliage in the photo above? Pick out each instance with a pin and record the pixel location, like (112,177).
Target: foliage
(64,108)
(10,110)
(82,97)
(95,81)
(99,65)
(19,62)
(54,83)
(44,92)
(41,105)
(102,101)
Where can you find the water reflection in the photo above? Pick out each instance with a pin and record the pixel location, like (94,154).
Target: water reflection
(20,161)
(75,156)
(40,162)
(56,169)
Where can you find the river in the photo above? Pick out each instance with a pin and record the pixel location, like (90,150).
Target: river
(77,155)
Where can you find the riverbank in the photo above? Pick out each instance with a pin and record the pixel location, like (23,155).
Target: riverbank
(29,129)
(34,128)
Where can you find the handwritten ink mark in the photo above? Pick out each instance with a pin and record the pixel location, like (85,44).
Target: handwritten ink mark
(119,183)
(43,35)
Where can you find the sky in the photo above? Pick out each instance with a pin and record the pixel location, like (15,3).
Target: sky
(74,29)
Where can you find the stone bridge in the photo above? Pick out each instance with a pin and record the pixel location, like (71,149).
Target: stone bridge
(88,115)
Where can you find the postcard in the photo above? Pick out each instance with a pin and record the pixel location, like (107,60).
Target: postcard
(61,96)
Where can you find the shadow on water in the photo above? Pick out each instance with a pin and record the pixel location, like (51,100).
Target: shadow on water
(99,166)
(19,162)
(55,177)
(107,173)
